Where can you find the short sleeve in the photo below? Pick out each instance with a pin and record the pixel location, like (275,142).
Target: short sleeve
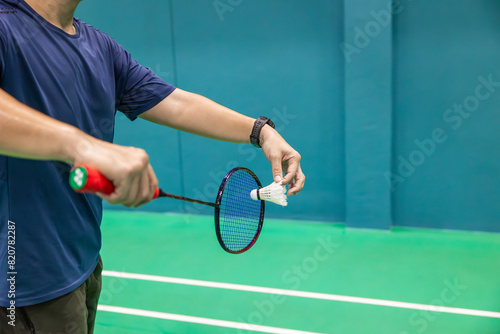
(138,89)
(3,48)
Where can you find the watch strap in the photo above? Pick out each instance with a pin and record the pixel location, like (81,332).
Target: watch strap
(257,128)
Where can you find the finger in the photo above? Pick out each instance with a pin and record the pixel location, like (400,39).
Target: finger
(149,186)
(117,196)
(130,198)
(291,170)
(106,197)
(291,186)
(143,191)
(277,168)
(298,184)
(153,182)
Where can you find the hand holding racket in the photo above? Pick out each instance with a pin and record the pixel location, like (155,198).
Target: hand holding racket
(238,217)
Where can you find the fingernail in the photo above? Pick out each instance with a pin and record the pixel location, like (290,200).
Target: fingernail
(277,178)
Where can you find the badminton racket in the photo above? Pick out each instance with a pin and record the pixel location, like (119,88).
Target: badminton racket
(238,217)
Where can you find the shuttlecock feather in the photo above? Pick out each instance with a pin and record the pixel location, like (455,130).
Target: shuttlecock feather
(275,192)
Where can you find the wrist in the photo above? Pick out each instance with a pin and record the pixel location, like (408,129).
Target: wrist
(256,135)
(76,146)
(266,132)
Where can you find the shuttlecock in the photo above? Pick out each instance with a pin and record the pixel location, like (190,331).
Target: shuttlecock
(275,192)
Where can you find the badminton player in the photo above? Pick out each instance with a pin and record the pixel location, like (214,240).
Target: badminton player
(61,81)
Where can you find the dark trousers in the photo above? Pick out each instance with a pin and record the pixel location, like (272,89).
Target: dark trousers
(73,313)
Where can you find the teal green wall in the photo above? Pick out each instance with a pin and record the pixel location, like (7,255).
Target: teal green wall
(274,58)
(441,49)
(362,94)
(368,114)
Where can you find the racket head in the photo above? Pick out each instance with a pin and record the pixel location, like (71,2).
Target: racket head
(238,218)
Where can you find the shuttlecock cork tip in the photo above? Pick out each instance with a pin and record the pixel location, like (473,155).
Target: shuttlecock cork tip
(253,195)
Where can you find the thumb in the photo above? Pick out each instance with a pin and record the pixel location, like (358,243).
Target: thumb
(277,169)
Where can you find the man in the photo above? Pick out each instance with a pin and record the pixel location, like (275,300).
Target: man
(61,80)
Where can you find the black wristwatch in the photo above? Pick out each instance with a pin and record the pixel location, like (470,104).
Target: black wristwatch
(257,128)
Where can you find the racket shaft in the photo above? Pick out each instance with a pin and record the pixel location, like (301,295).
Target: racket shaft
(213,205)
(87,179)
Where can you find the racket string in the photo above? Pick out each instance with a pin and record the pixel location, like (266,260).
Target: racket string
(239,218)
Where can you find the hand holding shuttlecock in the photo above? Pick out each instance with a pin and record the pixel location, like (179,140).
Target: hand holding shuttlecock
(275,192)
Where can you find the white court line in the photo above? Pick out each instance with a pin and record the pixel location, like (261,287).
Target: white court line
(303,294)
(197,320)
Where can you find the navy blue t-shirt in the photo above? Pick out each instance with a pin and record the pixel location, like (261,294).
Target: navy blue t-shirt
(81,80)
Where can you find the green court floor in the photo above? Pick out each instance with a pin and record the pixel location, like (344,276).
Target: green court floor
(456,273)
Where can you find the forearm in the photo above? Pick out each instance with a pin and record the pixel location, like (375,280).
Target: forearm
(27,133)
(198,115)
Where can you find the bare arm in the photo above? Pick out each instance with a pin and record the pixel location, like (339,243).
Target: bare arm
(27,133)
(198,115)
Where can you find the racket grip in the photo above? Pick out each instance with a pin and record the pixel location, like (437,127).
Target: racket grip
(86,179)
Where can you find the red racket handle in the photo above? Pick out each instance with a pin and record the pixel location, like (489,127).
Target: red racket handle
(86,179)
